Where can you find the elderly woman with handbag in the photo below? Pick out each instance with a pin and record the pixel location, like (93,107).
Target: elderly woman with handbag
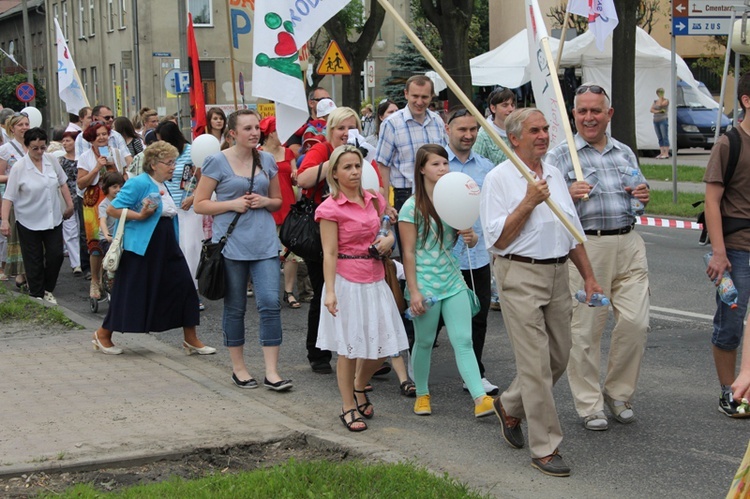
(32,190)
(153,289)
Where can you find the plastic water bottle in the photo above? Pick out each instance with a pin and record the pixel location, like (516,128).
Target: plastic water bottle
(634,180)
(152,199)
(385,226)
(427,302)
(725,287)
(597,299)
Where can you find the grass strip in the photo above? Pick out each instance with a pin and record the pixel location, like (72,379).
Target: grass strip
(664,172)
(22,308)
(293,479)
(661,204)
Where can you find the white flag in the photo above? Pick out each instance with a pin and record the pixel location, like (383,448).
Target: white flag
(602,17)
(281,29)
(12,59)
(541,75)
(71,92)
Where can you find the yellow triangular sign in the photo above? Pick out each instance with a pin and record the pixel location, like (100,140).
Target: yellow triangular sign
(333,62)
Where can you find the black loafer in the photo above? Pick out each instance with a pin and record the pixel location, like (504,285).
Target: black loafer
(321,367)
(512,434)
(554,467)
(248,383)
(280,386)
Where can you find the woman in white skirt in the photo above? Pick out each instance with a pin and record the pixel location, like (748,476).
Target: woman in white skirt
(358,318)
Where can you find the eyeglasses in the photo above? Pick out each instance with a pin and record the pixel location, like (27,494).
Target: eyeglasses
(168,163)
(594,89)
(39,148)
(460,113)
(107,118)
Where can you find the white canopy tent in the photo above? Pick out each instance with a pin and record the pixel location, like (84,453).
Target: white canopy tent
(507,64)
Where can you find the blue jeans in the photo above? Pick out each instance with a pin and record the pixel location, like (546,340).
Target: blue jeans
(265,274)
(662,132)
(728,325)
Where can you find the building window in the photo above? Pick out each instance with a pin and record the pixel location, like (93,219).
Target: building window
(64,4)
(92,18)
(84,80)
(95,84)
(81,20)
(123,11)
(110,16)
(56,13)
(201,11)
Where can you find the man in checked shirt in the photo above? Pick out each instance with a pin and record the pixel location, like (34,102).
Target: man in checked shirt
(618,257)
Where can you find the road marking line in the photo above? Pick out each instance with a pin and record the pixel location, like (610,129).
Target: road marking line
(683,313)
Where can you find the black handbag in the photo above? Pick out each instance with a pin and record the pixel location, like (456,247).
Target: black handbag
(299,232)
(210,273)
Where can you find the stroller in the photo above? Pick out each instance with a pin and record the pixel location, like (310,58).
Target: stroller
(108,280)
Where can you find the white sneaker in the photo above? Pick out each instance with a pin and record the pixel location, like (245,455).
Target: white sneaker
(489,388)
(49,298)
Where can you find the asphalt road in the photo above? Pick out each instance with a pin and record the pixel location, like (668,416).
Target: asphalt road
(680,445)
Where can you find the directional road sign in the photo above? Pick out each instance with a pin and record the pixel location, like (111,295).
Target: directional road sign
(704,8)
(700,26)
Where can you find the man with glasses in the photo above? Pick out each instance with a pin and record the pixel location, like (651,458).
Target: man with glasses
(531,247)
(104,115)
(403,133)
(618,256)
(462,131)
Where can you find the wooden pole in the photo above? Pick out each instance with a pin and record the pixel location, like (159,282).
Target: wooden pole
(562,35)
(522,168)
(231,54)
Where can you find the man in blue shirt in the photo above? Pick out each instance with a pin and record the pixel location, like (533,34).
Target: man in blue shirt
(462,131)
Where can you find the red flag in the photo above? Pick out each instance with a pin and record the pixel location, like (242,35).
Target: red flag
(197,99)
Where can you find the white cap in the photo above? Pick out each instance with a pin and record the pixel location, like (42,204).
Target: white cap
(324,108)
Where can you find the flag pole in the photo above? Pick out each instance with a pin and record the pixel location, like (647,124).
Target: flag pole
(562,35)
(564,115)
(231,54)
(475,112)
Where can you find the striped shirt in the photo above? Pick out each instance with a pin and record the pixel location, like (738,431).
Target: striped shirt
(400,138)
(485,146)
(608,206)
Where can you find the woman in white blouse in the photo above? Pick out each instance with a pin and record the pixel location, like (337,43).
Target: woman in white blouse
(35,186)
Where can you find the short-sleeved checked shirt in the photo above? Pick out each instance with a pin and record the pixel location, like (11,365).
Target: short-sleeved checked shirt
(608,206)
(400,138)
(485,146)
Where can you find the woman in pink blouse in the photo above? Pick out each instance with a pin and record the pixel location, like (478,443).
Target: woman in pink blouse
(362,320)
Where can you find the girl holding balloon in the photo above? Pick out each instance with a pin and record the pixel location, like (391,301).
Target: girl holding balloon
(432,273)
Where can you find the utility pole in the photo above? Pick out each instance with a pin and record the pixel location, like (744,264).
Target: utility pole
(27,47)
(183,103)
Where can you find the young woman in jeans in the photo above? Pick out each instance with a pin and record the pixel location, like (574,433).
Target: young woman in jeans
(245,181)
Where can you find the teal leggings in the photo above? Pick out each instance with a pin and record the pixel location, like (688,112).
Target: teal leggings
(456,311)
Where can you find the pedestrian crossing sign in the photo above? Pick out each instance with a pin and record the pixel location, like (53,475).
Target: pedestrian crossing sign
(333,62)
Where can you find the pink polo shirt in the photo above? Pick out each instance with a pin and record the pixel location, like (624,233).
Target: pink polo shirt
(358,228)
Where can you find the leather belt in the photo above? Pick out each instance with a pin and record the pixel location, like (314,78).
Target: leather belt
(613,232)
(545,261)
(355,257)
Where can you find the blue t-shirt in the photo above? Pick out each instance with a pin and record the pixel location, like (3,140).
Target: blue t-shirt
(254,236)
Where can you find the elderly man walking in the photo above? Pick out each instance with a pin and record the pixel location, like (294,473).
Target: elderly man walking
(533,247)
(618,256)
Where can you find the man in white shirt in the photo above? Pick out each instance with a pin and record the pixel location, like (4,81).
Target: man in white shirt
(105,115)
(532,247)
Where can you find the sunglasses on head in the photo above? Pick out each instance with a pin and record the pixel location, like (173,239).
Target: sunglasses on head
(594,89)
(460,113)
(16,115)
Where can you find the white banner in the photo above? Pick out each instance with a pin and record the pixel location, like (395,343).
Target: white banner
(71,92)
(602,17)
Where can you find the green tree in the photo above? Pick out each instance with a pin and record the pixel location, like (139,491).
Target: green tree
(404,62)
(8,84)
(623,75)
(355,37)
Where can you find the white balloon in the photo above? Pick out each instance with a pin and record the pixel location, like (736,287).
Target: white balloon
(204,146)
(35,117)
(456,200)
(369,177)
